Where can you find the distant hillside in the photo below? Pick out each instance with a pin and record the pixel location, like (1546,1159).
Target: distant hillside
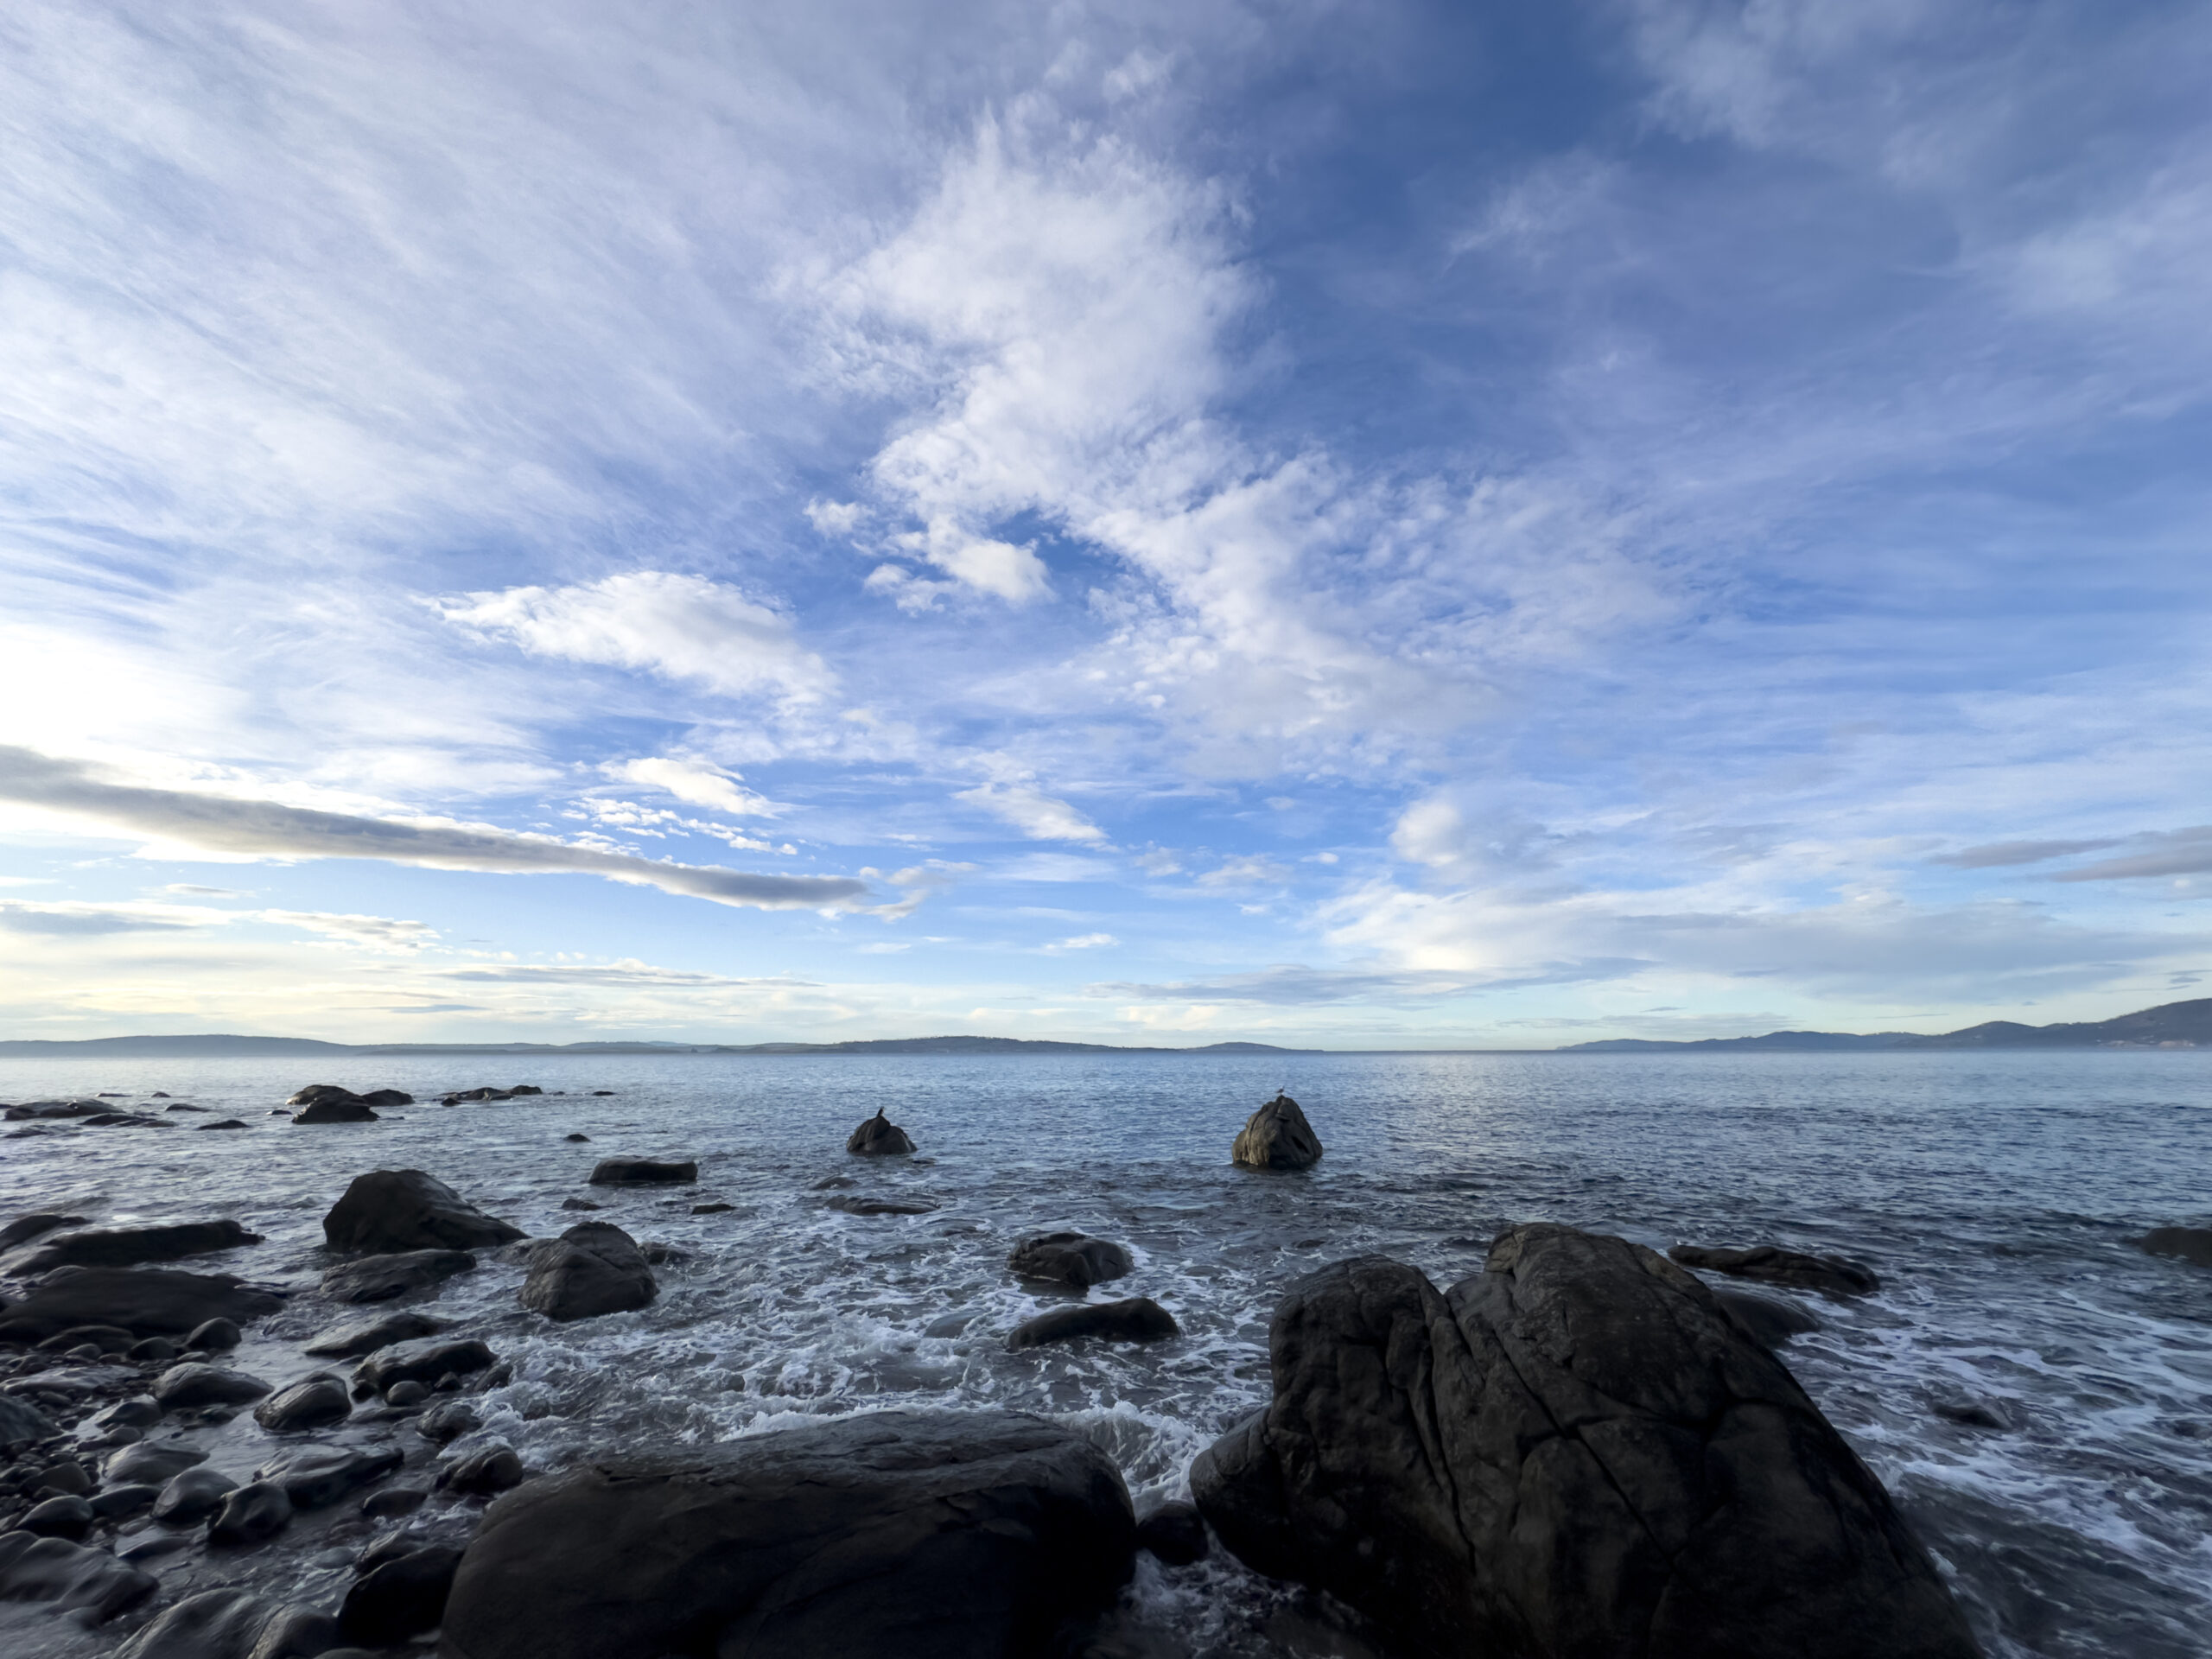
(224,1046)
(2172,1025)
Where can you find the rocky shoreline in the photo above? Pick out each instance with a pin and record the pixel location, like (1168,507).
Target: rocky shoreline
(1584,1448)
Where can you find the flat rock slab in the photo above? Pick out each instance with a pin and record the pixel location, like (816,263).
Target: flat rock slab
(1574,1453)
(318,1477)
(382,1278)
(147,1301)
(1074,1259)
(859,1205)
(358,1337)
(330,1111)
(423,1361)
(1277,1136)
(1139,1318)
(1770,1264)
(641,1171)
(926,1535)
(394,1210)
(123,1247)
(183,1388)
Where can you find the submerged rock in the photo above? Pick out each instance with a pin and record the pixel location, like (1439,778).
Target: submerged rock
(146,1301)
(26,1228)
(1137,1320)
(641,1171)
(318,1477)
(593,1268)
(859,1205)
(1277,1136)
(1770,1264)
(358,1337)
(879,1137)
(1074,1259)
(1574,1453)
(484,1473)
(381,1278)
(927,1534)
(394,1210)
(123,1247)
(232,1623)
(1768,1319)
(2190,1244)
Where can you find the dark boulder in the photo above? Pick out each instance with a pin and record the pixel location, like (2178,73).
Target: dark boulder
(329,1094)
(192,1493)
(214,1335)
(1574,1453)
(447,1421)
(223,1123)
(398,1598)
(319,1476)
(253,1513)
(314,1401)
(1768,1319)
(484,1473)
(388,1210)
(879,1137)
(333,1106)
(1277,1136)
(1137,1320)
(2190,1244)
(183,1388)
(123,1247)
(1770,1264)
(575,1137)
(393,1502)
(1074,1259)
(25,1228)
(863,1204)
(927,1534)
(593,1268)
(64,1516)
(421,1361)
(641,1171)
(232,1623)
(1176,1533)
(120,1503)
(382,1278)
(358,1337)
(146,1301)
(88,1583)
(151,1461)
(108,1338)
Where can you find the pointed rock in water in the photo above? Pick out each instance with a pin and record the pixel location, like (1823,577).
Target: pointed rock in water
(320,1094)
(641,1171)
(2190,1244)
(1528,1465)
(123,1247)
(393,1210)
(1137,1320)
(1074,1259)
(927,1534)
(879,1137)
(1277,1136)
(358,1337)
(1768,1264)
(381,1278)
(593,1268)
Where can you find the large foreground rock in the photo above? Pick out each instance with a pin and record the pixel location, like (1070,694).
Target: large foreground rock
(1770,1264)
(391,1210)
(145,1301)
(879,1137)
(123,1247)
(1574,1453)
(594,1268)
(382,1278)
(923,1535)
(1277,1136)
(1075,1259)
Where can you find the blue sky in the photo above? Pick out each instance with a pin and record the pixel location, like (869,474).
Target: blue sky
(1359,525)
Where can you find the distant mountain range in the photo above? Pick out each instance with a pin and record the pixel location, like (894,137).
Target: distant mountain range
(223,1046)
(2172,1025)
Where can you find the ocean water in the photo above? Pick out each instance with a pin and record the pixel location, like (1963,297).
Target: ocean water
(1998,1195)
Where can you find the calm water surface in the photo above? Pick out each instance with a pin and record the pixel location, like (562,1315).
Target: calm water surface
(1997,1195)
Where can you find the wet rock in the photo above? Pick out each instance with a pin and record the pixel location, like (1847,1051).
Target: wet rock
(1767,1320)
(447,1421)
(1574,1453)
(314,1401)
(192,1493)
(575,1137)
(67,1478)
(253,1513)
(1973,1411)
(152,1546)
(121,1503)
(152,1351)
(331,1104)
(929,1535)
(55,1108)
(381,1278)
(123,1247)
(1771,1265)
(395,1210)
(2190,1244)
(155,1462)
(185,1387)
(1137,1320)
(1176,1533)
(59,1517)
(602,1091)
(393,1502)
(223,1123)
(712,1208)
(1277,1136)
(421,1361)
(1074,1259)
(138,1412)
(400,1395)
(358,1336)
(21,1421)
(26,1228)
(859,1205)
(641,1171)
(232,1623)
(593,1268)
(399,1598)
(125,1121)
(145,1301)
(91,1583)
(318,1477)
(484,1473)
(879,1137)
(578,1203)
(217,1336)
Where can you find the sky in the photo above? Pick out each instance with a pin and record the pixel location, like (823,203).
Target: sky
(1344,525)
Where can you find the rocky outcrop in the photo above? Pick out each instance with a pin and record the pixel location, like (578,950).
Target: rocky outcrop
(927,1534)
(89,1584)
(393,1210)
(641,1171)
(1137,1320)
(382,1278)
(358,1337)
(123,1247)
(426,1362)
(1574,1453)
(2190,1244)
(879,1137)
(145,1301)
(1277,1136)
(594,1268)
(1770,1264)
(1075,1259)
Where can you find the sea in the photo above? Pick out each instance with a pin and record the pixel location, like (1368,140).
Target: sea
(2034,1391)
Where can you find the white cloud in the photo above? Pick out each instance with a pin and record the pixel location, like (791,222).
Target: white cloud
(679,627)
(1083,942)
(699,783)
(1036,813)
(1252,872)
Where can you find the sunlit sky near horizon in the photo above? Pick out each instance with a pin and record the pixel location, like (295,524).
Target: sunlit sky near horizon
(1350,524)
